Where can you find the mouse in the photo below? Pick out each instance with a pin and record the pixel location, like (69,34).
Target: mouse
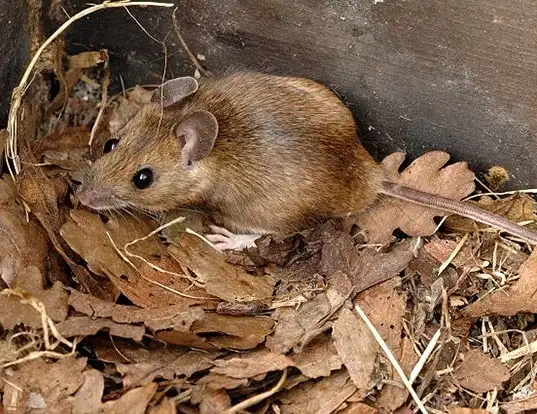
(260,153)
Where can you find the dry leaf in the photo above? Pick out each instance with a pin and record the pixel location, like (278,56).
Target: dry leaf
(481,373)
(520,297)
(167,363)
(521,405)
(363,265)
(217,381)
(127,106)
(44,385)
(318,358)
(87,399)
(296,327)
(252,364)
(213,401)
(234,332)
(22,243)
(66,148)
(167,406)
(320,397)
(427,173)
(516,208)
(441,249)
(461,410)
(87,235)
(179,317)
(29,281)
(385,308)
(391,396)
(357,348)
(360,408)
(136,400)
(84,326)
(224,280)
(87,59)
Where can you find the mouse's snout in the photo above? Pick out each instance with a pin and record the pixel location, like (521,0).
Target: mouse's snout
(90,197)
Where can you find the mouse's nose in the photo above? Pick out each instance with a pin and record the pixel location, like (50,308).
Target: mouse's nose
(90,197)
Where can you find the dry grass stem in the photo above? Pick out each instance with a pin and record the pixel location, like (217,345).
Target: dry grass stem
(392,359)
(20,90)
(453,254)
(104,98)
(259,397)
(169,289)
(424,357)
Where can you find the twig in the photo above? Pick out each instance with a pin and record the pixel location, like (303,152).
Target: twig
(453,254)
(193,58)
(424,357)
(20,90)
(392,359)
(104,99)
(259,397)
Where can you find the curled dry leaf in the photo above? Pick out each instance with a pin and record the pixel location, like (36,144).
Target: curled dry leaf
(427,173)
(481,373)
(29,282)
(520,297)
(252,364)
(320,397)
(85,326)
(179,317)
(137,399)
(221,279)
(87,235)
(46,385)
(234,332)
(167,363)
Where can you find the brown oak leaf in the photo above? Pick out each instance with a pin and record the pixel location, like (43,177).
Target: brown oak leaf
(427,173)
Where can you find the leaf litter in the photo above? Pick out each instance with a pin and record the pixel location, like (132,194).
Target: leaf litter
(100,313)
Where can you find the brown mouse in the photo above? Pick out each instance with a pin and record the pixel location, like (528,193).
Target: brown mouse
(260,153)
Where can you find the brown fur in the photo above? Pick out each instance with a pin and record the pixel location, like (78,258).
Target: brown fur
(287,152)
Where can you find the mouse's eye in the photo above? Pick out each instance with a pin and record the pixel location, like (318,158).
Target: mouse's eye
(143,178)
(110,145)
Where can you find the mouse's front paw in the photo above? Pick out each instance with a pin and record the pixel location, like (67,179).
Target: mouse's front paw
(223,239)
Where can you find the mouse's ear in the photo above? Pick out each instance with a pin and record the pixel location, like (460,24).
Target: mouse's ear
(175,90)
(196,134)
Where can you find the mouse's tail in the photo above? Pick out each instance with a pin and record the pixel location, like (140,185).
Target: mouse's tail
(460,208)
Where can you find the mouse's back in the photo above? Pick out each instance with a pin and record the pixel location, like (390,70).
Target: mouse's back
(287,150)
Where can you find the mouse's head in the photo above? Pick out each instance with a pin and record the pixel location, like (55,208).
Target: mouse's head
(156,162)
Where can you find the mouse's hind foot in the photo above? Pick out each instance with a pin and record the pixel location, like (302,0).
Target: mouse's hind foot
(223,239)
